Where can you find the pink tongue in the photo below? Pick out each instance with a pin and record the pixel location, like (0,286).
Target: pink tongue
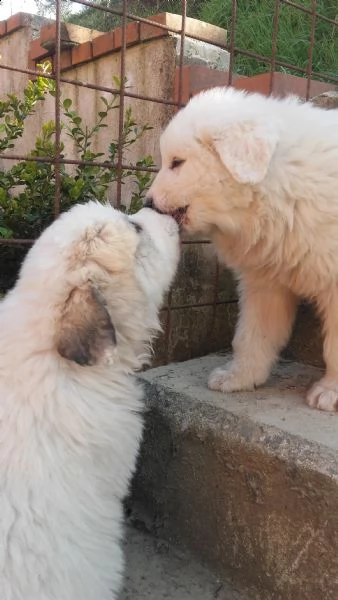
(178,215)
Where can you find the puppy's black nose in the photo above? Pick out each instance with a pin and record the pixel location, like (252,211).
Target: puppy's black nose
(149,203)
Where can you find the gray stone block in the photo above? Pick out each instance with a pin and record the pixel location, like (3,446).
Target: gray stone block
(328,100)
(248,481)
(202,53)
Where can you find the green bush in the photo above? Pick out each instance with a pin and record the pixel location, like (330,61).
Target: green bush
(27,189)
(254,33)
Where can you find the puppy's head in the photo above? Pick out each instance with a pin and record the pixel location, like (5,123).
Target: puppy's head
(214,152)
(96,279)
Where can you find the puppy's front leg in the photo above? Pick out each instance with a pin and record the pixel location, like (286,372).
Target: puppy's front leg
(324,393)
(266,317)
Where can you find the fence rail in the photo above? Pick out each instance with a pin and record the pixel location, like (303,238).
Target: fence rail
(274,64)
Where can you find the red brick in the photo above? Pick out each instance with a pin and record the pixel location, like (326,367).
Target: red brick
(197,78)
(82,53)
(36,51)
(203,78)
(132,34)
(283,84)
(103,44)
(31,65)
(3,28)
(48,34)
(185,96)
(17,21)
(147,32)
(65,60)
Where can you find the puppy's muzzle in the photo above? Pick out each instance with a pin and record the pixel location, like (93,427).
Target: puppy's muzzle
(149,203)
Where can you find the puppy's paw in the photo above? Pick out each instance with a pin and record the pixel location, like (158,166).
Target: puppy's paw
(323,396)
(229,380)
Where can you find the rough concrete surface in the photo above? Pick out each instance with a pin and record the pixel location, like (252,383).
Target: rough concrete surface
(155,570)
(279,403)
(248,481)
(328,100)
(202,53)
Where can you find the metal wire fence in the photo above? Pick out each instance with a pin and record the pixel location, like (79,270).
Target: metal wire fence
(272,63)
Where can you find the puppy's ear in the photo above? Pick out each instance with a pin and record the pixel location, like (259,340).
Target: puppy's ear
(246,150)
(86,333)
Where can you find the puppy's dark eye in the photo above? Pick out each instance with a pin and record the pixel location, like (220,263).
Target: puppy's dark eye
(176,162)
(137,227)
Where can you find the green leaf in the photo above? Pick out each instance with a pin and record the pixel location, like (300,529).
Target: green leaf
(117,81)
(67,103)
(27,188)
(6,233)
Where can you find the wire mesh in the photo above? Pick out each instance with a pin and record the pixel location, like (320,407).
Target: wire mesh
(272,63)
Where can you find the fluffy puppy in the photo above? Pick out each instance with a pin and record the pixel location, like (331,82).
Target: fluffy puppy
(260,177)
(72,332)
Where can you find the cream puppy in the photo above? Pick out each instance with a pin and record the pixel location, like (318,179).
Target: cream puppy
(73,331)
(260,177)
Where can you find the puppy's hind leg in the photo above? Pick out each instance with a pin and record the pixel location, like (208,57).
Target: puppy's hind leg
(265,322)
(324,393)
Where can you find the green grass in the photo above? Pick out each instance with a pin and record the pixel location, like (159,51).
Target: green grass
(102,21)
(253,29)
(253,32)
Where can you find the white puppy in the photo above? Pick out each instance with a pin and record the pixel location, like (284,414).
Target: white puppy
(73,331)
(260,176)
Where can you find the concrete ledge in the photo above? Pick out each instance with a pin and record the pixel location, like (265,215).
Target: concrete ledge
(249,481)
(156,570)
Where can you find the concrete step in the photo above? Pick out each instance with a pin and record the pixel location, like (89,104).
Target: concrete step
(155,570)
(247,481)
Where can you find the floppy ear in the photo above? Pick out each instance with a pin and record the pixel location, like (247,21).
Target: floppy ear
(246,150)
(86,334)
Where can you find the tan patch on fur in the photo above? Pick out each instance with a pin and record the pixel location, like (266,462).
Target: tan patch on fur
(112,251)
(86,331)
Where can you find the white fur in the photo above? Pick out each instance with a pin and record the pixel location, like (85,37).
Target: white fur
(260,177)
(69,434)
